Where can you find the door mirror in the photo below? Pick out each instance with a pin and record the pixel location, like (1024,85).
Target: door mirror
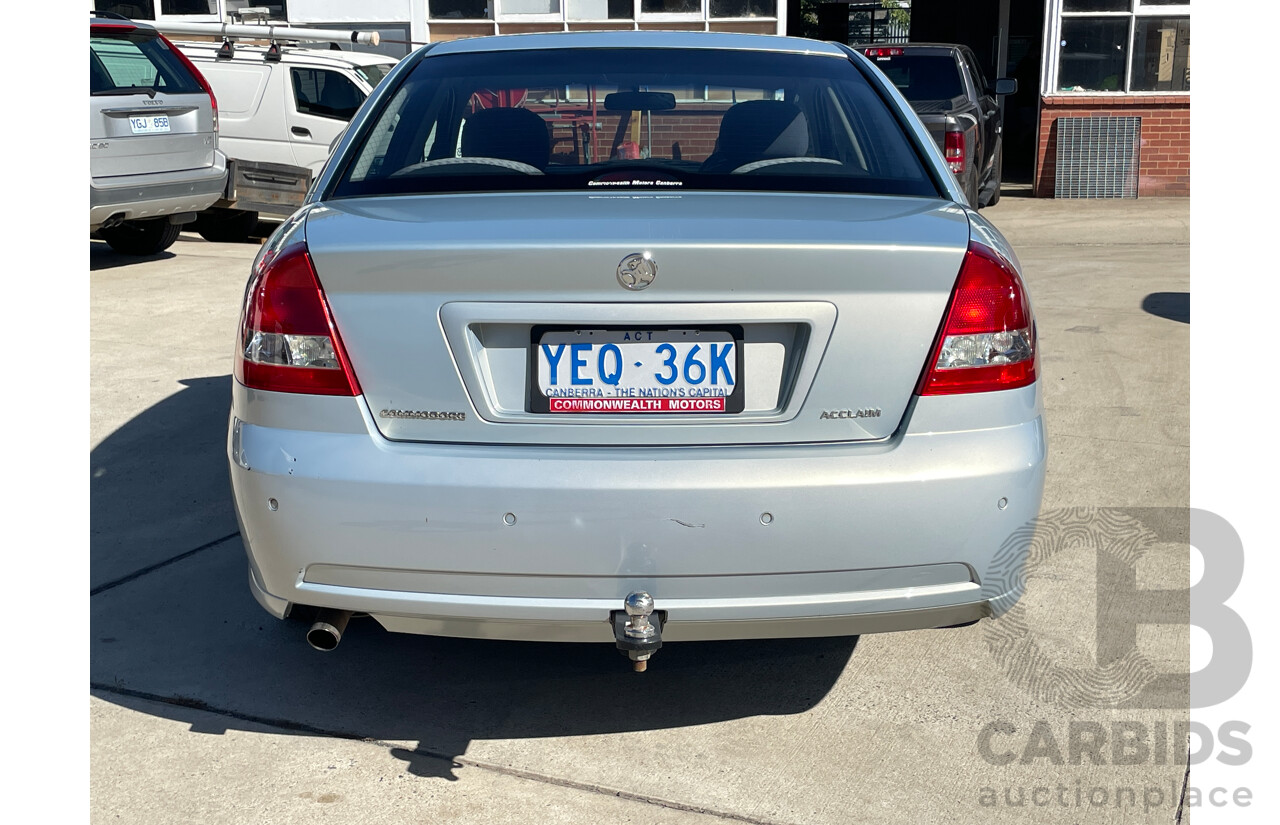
(1006,86)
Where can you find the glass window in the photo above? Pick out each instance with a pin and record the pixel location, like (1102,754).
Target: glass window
(189,6)
(1096,5)
(1094,51)
(124,63)
(671,6)
(134,10)
(975,72)
(528,7)
(601,9)
(325,94)
(373,73)
(458,9)
(649,119)
(1097,51)
(1162,54)
(744,8)
(276,7)
(923,77)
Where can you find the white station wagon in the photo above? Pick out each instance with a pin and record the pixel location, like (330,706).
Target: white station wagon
(636,337)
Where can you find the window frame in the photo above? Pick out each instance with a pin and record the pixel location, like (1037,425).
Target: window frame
(1137,9)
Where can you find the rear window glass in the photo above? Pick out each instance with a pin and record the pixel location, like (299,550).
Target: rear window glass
(923,77)
(136,62)
(656,119)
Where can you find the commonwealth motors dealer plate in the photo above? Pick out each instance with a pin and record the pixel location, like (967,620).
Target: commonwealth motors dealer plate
(637,370)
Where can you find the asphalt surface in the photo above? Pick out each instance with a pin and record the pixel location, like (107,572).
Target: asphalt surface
(204,708)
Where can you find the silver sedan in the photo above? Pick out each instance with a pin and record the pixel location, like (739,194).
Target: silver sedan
(636,337)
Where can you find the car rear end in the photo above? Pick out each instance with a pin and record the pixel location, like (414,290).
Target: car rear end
(788,393)
(153,131)
(931,79)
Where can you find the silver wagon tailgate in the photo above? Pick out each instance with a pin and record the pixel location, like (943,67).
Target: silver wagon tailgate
(147,112)
(833,302)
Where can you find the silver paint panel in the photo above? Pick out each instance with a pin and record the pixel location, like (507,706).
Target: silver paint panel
(402,274)
(622,519)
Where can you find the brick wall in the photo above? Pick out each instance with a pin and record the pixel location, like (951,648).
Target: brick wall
(694,127)
(1164,163)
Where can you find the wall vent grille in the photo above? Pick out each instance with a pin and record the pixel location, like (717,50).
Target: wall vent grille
(1097,157)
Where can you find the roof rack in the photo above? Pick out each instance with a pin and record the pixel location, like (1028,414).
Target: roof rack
(229,32)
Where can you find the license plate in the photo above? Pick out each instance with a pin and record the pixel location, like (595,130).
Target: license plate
(149,124)
(637,371)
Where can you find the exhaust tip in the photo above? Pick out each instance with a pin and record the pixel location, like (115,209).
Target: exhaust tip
(323,636)
(327,631)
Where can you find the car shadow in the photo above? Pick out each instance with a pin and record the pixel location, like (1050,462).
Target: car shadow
(159,485)
(183,639)
(1175,306)
(102,256)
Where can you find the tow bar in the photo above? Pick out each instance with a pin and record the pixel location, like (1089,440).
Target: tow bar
(637,629)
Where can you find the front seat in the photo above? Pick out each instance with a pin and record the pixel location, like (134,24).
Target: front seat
(507,134)
(757,130)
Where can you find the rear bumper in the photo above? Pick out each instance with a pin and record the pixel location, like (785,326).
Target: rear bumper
(136,197)
(859,538)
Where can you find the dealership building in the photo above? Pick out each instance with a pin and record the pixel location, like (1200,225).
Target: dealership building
(1103,107)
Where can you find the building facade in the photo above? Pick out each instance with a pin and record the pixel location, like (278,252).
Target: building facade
(1121,60)
(1100,81)
(404,24)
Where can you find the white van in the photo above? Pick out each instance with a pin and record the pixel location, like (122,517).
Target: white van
(280,108)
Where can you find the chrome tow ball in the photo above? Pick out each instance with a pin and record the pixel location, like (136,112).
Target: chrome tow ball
(637,629)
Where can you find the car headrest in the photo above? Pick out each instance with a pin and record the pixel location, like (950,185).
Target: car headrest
(759,129)
(509,134)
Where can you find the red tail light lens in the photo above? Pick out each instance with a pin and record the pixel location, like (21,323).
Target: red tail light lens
(882,52)
(954,150)
(200,78)
(988,341)
(288,341)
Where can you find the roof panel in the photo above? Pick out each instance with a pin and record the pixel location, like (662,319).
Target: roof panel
(637,40)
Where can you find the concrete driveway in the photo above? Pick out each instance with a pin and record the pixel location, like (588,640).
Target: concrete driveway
(205,709)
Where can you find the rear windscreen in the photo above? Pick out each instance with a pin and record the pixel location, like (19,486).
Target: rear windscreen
(655,119)
(923,77)
(136,62)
